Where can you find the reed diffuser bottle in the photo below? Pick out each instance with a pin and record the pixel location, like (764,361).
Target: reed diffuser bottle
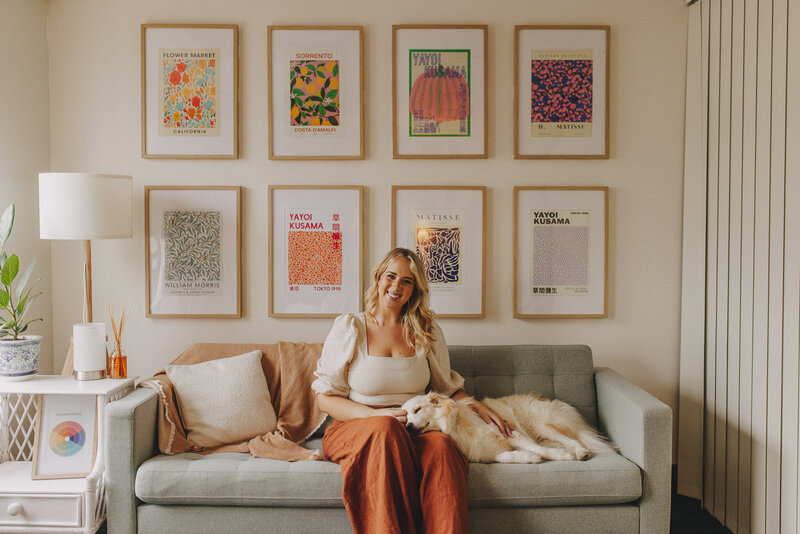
(118,362)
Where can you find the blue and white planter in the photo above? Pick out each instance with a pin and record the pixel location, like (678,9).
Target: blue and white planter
(19,359)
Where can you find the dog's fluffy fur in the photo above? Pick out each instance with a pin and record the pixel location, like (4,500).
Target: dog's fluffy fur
(544,429)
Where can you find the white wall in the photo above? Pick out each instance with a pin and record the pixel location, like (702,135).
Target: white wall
(96,121)
(25,146)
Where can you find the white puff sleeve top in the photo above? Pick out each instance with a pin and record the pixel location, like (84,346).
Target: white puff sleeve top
(345,369)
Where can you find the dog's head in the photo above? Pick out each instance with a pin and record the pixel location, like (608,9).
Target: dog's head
(429,412)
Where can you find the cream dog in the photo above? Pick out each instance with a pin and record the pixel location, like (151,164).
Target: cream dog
(544,429)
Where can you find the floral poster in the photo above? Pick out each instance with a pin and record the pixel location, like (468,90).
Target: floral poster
(189,91)
(189,83)
(315,250)
(193,250)
(445,227)
(439,93)
(561,93)
(315,102)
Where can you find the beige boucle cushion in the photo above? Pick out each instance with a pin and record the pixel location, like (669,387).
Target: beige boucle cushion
(224,401)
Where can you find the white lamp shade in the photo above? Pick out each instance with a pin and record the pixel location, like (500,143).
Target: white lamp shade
(74,205)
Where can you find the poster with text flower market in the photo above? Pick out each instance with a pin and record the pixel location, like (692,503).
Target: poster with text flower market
(188,88)
(190,83)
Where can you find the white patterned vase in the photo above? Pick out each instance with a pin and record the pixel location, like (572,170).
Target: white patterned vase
(19,359)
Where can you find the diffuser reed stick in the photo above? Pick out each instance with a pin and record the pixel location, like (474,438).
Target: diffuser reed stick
(119,361)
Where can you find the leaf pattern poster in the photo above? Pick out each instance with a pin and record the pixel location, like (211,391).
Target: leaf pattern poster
(193,251)
(439,93)
(188,87)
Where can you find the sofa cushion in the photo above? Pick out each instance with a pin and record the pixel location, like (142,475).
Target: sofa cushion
(564,372)
(238,479)
(224,401)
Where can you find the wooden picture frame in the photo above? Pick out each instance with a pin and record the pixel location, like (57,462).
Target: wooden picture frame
(65,442)
(205,279)
(446,227)
(560,252)
(190,87)
(315,76)
(451,61)
(553,120)
(315,250)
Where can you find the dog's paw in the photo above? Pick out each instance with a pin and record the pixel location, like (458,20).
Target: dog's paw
(582,454)
(518,457)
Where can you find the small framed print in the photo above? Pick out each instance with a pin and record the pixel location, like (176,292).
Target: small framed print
(193,250)
(65,443)
(189,91)
(439,91)
(560,252)
(315,250)
(315,79)
(561,89)
(446,227)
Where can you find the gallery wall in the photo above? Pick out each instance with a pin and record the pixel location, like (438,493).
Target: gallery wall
(25,147)
(95,112)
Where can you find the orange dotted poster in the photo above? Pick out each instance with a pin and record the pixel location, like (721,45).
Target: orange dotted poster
(314,252)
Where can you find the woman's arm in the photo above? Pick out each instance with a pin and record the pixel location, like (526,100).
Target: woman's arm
(485,413)
(343,409)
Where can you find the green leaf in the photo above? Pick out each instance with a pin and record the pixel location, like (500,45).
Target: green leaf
(4,298)
(332,94)
(314,98)
(297,92)
(321,109)
(6,223)
(10,270)
(23,281)
(336,69)
(333,121)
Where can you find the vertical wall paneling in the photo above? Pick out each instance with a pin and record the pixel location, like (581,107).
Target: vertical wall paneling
(748,84)
(692,371)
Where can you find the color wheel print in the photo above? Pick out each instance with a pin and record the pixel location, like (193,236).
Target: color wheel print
(67,438)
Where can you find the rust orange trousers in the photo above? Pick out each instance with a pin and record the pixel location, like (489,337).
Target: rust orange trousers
(398,483)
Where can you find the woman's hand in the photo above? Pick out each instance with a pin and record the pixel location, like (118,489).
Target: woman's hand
(491,417)
(397,413)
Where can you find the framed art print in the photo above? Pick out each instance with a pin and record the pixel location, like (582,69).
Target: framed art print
(65,443)
(315,92)
(189,91)
(446,227)
(439,91)
(561,89)
(315,250)
(193,250)
(560,252)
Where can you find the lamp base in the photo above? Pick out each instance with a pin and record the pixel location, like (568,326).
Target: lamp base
(89,375)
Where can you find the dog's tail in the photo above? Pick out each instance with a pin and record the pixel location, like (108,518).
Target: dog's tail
(595,442)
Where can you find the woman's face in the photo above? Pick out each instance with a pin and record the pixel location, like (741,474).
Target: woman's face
(396,284)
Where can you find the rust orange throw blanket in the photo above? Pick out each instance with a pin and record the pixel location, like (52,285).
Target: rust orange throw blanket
(289,369)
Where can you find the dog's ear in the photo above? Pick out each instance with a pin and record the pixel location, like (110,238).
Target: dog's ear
(436,399)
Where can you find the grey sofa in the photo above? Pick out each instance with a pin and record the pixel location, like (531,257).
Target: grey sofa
(147,492)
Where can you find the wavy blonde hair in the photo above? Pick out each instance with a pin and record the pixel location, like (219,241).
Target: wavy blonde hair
(415,316)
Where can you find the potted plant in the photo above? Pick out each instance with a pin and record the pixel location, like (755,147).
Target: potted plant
(19,355)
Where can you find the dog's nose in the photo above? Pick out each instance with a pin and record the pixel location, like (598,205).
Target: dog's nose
(409,427)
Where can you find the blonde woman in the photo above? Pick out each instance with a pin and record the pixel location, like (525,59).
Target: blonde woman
(371,363)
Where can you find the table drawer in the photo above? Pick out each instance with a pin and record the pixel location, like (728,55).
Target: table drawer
(40,510)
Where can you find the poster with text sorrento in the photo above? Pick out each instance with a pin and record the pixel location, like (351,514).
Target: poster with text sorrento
(189,91)
(561,92)
(193,251)
(439,91)
(315,250)
(445,226)
(315,85)
(560,252)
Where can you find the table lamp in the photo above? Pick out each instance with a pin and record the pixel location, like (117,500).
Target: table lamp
(84,206)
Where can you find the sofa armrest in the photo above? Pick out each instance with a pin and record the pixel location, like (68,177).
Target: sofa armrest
(641,426)
(131,438)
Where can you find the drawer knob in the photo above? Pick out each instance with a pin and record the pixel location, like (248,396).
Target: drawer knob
(14,508)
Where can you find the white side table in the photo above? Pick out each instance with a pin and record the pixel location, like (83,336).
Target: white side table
(74,505)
